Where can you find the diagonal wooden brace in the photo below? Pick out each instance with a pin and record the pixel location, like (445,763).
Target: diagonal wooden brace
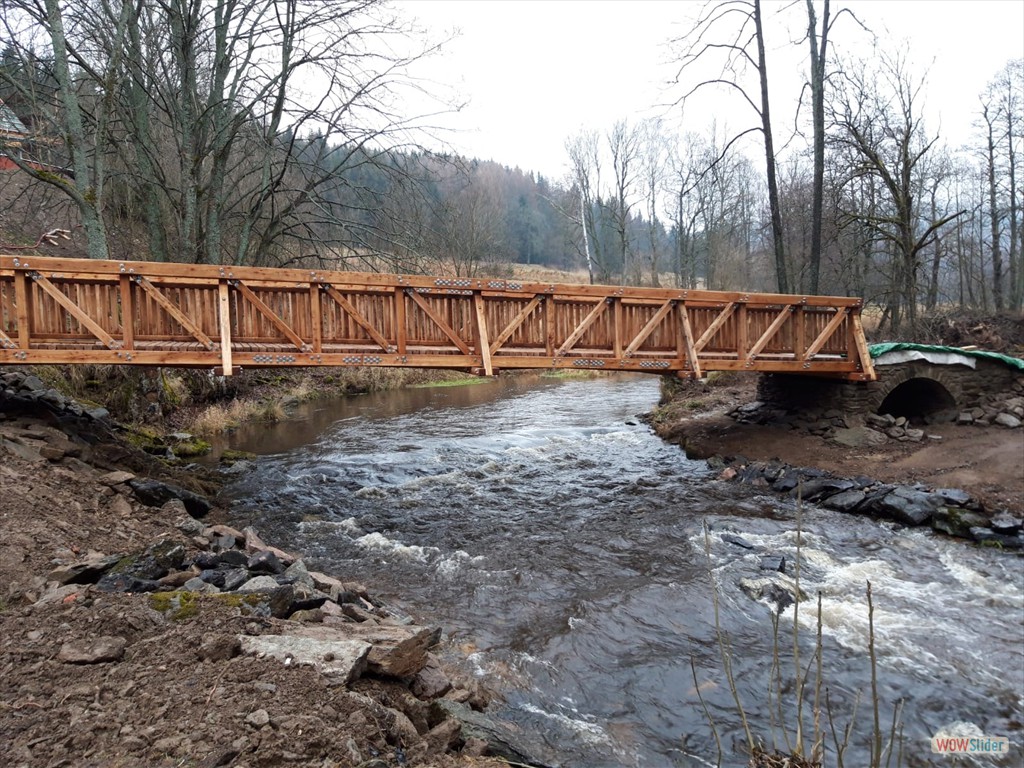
(581,329)
(361,321)
(75,311)
(268,313)
(172,309)
(438,321)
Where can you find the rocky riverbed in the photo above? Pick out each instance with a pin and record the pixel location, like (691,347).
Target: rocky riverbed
(137,629)
(964,477)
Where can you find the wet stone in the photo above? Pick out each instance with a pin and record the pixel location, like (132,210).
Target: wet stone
(845,501)
(265,561)
(737,541)
(1006,524)
(773,563)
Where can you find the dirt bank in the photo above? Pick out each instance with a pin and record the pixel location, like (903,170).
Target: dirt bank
(94,676)
(987,462)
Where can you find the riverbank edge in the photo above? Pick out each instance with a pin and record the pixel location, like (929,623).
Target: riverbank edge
(950,511)
(401,700)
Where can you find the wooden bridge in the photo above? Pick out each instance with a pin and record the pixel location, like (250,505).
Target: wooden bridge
(79,311)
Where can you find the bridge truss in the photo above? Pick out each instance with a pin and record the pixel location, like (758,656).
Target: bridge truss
(81,311)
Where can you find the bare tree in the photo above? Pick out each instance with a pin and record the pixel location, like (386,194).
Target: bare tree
(242,128)
(876,112)
(78,110)
(624,146)
(734,31)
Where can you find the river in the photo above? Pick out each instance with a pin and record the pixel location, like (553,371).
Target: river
(562,547)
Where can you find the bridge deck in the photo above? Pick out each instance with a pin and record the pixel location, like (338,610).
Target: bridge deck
(80,311)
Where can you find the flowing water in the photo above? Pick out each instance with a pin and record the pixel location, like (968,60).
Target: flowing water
(561,545)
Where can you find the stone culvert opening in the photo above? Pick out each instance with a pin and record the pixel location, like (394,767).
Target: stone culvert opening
(922,401)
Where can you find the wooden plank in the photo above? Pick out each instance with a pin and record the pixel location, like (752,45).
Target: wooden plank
(358,318)
(776,324)
(401,332)
(271,315)
(127,313)
(374,281)
(691,347)
(866,363)
(6,342)
(617,330)
(549,325)
(172,309)
(316,317)
(75,311)
(23,299)
(483,345)
(514,325)
(438,321)
(648,329)
(741,331)
(224,317)
(712,329)
(581,329)
(826,333)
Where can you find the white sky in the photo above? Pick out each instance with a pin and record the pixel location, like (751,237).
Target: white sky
(537,71)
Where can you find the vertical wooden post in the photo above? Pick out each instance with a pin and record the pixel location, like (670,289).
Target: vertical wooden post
(483,343)
(316,318)
(800,337)
(549,326)
(401,332)
(225,326)
(617,327)
(741,333)
(23,296)
(127,313)
(688,340)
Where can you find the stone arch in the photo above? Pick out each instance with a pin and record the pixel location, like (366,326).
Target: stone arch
(921,399)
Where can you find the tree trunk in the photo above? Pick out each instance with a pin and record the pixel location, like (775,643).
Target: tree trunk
(818,58)
(997,254)
(87,196)
(769,156)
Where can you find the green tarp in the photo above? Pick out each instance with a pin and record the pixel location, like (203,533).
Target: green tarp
(877,350)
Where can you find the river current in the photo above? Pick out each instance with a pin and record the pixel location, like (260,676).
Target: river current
(562,547)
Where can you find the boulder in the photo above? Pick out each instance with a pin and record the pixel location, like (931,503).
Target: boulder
(859,437)
(86,571)
(397,651)
(96,651)
(154,493)
(1007,420)
(908,505)
(845,501)
(503,740)
(955,521)
(988,536)
(431,682)
(331,653)
(1006,524)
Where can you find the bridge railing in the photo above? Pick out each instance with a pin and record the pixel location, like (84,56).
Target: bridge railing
(150,313)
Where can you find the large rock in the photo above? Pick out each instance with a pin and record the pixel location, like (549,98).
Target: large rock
(845,501)
(86,571)
(954,521)
(95,651)
(398,651)
(1007,420)
(504,740)
(154,493)
(332,654)
(908,505)
(859,437)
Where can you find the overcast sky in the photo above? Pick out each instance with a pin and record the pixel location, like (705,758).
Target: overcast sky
(537,71)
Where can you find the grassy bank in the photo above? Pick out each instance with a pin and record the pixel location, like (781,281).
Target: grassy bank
(161,400)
